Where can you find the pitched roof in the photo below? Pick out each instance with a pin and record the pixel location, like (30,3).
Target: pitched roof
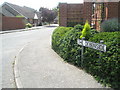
(25,11)
(5,12)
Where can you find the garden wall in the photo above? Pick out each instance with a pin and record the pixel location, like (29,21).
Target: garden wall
(12,23)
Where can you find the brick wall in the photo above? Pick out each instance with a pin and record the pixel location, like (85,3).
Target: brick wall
(87,11)
(75,13)
(12,23)
(63,14)
(108,10)
(112,9)
(70,13)
(82,12)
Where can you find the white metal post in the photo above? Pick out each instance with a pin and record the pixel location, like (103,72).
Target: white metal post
(82,51)
(101,42)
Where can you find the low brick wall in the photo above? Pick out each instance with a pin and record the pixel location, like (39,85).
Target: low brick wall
(12,23)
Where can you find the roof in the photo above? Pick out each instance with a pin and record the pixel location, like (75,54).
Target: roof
(24,11)
(6,13)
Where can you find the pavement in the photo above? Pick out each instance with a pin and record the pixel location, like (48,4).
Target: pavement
(38,66)
(10,44)
(27,29)
(20,30)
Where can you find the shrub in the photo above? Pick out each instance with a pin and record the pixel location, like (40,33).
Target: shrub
(78,26)
(110,25)
(94,31)
(69,49)
(57,35)
(72,24)
(28,25)
(106,69)
(66,44)
(86,31)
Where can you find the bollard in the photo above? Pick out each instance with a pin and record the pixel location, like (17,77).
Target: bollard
(82,51)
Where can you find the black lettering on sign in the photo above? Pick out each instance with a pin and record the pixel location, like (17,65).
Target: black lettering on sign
(93,45)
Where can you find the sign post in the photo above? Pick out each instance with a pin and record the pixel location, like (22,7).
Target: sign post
(101,42)
(82,51)
(98,46)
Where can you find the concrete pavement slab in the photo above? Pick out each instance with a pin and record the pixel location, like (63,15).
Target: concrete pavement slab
(38,66)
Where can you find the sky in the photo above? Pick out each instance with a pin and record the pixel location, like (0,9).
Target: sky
(36,4)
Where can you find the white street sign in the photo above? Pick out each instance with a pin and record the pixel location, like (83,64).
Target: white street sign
(93,45)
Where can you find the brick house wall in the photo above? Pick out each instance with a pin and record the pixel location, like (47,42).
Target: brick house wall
(112,9)
(74,14)
(62,14)
(107,11)
(86,11)
(12,23)
(69,13)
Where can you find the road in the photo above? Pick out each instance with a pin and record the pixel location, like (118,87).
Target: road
(11,44)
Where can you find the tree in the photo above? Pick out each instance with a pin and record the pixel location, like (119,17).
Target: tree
(47,15)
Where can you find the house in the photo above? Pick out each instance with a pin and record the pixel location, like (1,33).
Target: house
(94,12)
(56,20)
(104,11)
(70,14)
(12,10)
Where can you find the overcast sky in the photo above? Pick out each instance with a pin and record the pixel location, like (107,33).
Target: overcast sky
(36,4)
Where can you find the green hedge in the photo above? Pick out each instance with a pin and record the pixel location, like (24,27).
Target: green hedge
(72,24)
(106,69)
(69,49)
(58,33)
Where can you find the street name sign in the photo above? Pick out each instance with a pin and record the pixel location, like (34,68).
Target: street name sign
(93,45)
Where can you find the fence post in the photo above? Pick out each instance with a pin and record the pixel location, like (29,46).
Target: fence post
(82,51)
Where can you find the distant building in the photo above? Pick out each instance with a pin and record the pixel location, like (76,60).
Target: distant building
(94,12)
(12,10)
(56,20)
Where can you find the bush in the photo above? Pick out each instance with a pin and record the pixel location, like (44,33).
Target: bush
(28,25)
(106,69)
(57,35)
(94,31)
(69,49)
(72,24)
(110,25)
(78,26)
(86,31)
